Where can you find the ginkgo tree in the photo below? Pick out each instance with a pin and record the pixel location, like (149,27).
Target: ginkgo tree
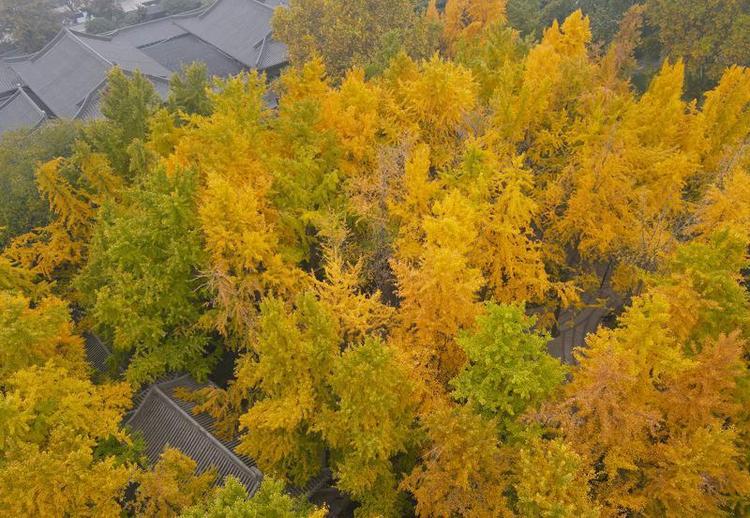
(140,282)
(655,400)
(386,253)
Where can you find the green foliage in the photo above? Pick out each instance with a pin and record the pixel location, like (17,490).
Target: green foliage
(353,247)
(348,34)
(710,35)
(358,405)
(533,16)
(271,501)
(188,90)
(109,9)
(306,171)
(126,452)
(509,369)
(21,206)
(710,273)
(100,25)
(108,15)
(30,24)
(127,103)
(370,423)
(141,279)
(295,354)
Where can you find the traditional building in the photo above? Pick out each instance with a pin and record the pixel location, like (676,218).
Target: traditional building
(65,79)
(164,420)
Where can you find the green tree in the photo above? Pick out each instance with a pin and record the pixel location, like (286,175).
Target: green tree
(509,369)
(109,9)
(369,424)
(710,35)
(141,284)
(188,90)
(21,206)
(289,366)
(271,501)
(533,16)
(311,398)
(127,104)
(350,33)
(30,24)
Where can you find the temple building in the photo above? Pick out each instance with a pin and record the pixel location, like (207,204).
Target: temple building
(66,78)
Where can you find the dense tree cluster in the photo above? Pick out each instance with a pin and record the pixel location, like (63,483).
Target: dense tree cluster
(387,252)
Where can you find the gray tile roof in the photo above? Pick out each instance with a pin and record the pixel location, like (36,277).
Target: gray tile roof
(97,353)
(274,54)
(9,80)
(123,55)
(237,27)
(185,49)
(574,324)
(63,73)
(19,111)
(148,33)
(165,420)
(66,77)
(73,65)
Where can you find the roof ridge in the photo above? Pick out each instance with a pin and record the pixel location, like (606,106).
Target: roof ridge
(10,98)
(82,106)
(88,47)
(22,92)
(262,49)
(264,4)
(33,56)
(171,18)
(217,2)
(191,33)
(157,390)
(138,409)
(101,37)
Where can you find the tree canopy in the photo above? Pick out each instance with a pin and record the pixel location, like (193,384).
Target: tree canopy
(385,256)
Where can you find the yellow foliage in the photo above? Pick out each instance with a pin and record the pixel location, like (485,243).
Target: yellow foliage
(552,481)
(411,202)
(467,19)
(725,121)
(63,242)
(651,414)
(464,471)
(439,290)
(726,205)
(171,486)
(627,175)
(34,335)
(237,219)
(50,422)
(359,314)
(435,103)
(507,251)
